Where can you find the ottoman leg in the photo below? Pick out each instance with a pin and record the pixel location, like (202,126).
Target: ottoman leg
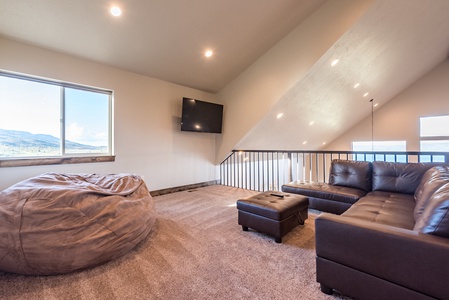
(278,240)
(244,228)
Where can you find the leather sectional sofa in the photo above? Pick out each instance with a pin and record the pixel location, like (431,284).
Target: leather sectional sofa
(393,241)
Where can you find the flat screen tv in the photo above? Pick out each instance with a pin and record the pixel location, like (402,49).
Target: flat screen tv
(200,116)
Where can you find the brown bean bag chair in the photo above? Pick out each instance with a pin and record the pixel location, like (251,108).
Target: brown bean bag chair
(58,223)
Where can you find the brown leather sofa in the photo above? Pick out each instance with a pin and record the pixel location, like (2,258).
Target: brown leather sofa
(351,180)
(392,243)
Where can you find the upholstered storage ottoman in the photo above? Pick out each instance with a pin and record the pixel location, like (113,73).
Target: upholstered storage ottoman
(273,215)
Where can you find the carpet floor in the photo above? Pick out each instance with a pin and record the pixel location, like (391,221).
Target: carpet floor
(196,250)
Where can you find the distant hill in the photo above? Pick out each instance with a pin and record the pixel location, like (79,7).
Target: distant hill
(11,139)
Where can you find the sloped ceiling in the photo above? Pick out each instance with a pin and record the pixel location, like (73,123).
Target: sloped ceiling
(393,44)
(162,39)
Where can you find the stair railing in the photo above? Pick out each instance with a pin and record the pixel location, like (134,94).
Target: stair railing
(263,170)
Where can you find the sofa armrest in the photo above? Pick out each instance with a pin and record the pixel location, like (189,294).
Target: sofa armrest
(408,258)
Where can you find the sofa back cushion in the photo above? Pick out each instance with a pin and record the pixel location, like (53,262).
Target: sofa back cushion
(350,173)
(398,177)
(435,217)
(431,181)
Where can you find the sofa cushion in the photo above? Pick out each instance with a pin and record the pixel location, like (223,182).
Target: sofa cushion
(350,173)
(398,177)
(386,208)
(435,217)
(431,181)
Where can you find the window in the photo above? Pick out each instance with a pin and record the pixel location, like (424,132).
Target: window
(434,134)
(41,119)
(380,146)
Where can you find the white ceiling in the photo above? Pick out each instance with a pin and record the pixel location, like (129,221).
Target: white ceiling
(392,45)
(162,39)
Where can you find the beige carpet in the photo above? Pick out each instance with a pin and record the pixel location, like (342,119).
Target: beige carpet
(195,251)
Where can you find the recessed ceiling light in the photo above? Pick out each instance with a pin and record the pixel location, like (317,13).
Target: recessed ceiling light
(279,115)
(356,85)
(208,53)
(311,123)
(376,104)
(366,94)
(334,62)
(305,142)
(115,11)
(324,143)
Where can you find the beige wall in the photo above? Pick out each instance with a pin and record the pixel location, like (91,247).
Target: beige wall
(251,95)
(398,119)
(147,114)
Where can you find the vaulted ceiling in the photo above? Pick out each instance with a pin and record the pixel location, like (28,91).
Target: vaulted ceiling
(388,48)
(393,44)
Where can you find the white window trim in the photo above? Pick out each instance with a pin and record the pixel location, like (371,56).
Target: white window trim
(64,158)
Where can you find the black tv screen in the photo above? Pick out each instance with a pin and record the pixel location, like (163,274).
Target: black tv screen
(201,116)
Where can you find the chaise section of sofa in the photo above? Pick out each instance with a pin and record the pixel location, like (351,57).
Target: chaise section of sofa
(348,182)
(367,260)
(394,242)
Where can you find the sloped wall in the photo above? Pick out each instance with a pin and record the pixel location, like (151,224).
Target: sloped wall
(251,95)
(398,119)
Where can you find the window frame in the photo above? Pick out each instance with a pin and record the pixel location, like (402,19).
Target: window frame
(63,158)
(431,138)
(366,156)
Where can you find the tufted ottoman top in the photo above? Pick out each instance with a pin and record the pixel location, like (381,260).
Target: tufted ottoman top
(272,207)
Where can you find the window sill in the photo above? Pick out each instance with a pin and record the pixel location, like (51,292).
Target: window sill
(23,162)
